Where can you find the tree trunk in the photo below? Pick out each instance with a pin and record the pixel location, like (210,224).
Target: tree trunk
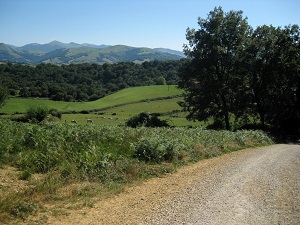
(227,120)
(226,113)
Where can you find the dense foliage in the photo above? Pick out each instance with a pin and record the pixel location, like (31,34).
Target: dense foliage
(66,154)
(235,71)
(36,114)
(146,119)
(93,152)
(82,82)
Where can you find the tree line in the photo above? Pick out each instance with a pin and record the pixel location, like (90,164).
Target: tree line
(237,73)
(84,82)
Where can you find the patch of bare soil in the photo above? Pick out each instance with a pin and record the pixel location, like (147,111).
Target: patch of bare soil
(253,186)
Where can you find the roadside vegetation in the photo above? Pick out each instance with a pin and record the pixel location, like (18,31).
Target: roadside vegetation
(101,157)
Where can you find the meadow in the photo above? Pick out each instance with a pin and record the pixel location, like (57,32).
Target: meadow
(114,109)
(125,96)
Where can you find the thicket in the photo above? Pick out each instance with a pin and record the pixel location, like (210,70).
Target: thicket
(84,82)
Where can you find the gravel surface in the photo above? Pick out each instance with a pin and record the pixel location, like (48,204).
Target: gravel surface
(253,186)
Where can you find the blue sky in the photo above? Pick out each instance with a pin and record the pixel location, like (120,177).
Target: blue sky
(139,23)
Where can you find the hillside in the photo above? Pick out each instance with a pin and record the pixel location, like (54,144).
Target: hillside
(84,82)
(54,45)
(61,53)
(125,96)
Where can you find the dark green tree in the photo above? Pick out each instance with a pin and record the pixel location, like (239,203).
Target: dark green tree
(210,76)
(272,62)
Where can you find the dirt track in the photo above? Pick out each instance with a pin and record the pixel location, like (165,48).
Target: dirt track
(253,186)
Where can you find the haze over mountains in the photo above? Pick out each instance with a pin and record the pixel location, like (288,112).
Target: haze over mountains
(57,52)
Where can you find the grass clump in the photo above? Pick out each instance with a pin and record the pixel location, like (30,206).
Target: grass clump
(23,209)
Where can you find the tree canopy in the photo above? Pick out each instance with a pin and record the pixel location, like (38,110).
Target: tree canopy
(235,71)
(211,77)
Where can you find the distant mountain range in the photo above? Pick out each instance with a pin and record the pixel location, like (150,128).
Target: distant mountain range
(57,52)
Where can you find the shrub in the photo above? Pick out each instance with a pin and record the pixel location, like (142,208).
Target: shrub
(36,113)
(55,113)
(23,209)
(155,149)
(146,119)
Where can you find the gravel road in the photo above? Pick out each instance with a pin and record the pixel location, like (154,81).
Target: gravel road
(252,186)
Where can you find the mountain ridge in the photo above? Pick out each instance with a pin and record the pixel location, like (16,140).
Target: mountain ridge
(66,53)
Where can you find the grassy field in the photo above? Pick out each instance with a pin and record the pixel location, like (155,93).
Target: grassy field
(124,96)
(119,115)
(113,109)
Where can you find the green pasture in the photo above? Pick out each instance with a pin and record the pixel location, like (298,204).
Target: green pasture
(119,115)
(124,96)
(125,105)
(158,106)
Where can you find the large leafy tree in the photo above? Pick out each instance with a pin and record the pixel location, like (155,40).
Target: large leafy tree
(272,63)
(211,77)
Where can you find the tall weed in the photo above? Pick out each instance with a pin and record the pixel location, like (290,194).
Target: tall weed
(94,152)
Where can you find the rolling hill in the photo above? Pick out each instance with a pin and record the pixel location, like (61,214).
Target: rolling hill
(54,45)
(61,53)
(122,97)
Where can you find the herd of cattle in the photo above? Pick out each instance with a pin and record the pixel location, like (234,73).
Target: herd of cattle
(89,120)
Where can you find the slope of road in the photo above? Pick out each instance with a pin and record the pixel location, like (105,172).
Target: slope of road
(253,186)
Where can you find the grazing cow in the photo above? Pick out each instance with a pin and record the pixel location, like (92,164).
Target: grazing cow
(89,121)
(73,121)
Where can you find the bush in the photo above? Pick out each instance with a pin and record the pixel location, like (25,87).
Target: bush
(146,119)
(23,209)
(55,113)
(153,149)
(36,113)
